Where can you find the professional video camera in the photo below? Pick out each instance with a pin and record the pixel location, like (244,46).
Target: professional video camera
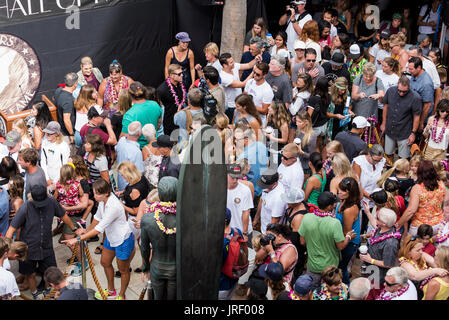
(209,102)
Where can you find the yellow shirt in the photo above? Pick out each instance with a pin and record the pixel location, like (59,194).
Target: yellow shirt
(443,293)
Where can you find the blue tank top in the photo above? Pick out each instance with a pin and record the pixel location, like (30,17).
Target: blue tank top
(355,225)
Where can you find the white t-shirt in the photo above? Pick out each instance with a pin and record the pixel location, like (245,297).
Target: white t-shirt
(112,220)
(216,64)
(368,176)
(262,94)
(291,176)
(8,284)
(431,69)
(387,80)
(240,199)
(272,206)
(291,33)
(312,44)
(410,294)
(226,80)
(433,16)
(81,120)
(6,264)
(53,157)
(373,50)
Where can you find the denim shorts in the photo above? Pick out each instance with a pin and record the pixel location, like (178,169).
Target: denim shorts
(123,251)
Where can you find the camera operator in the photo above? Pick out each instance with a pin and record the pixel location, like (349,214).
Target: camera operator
(295,17)
(275,247)
(211,76)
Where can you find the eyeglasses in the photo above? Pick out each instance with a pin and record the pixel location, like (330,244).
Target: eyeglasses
(285,157)
(390,284)
(177,74)
(310,60)
(374,160)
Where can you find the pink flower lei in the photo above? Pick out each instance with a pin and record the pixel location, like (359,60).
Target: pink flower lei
(322,214)
(383,295)
(440,237)
(433,136)
(384,237)
(175,96)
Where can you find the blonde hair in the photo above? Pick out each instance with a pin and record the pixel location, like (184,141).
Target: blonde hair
(85,99)
(212,48)
(393,64)
(335,146)
(416,159)
(86,61)
(153,196)
(292,148)
(445,93)
(23,128)
(407,245)
(398,39)
(19,248)
(334,90)
(442,255)
(66,174)
(256,242)
(124,101)
(129,171)
(308,130)
(221,120)
(400,166)
(369,68)
(342,166)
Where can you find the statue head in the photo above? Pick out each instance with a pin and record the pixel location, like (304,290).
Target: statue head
(167,189)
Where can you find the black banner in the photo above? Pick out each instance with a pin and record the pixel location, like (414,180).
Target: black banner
(19,11)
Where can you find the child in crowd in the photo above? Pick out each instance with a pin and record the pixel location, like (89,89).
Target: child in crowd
(82,175)
(301,93)
(245,167)
(16,188)
(8,285)
(332,286)
(425,233)
(20,126)
(414,163)
(400,171)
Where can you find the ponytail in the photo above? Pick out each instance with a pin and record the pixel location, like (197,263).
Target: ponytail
(387,174)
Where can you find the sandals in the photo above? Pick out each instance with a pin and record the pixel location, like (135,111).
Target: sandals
(99,249)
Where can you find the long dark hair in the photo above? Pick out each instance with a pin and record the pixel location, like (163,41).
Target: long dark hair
(351,186)
(316,160)
(283,35)
(247,102)
(427,175)
(43,116)
(322,90)
(8,167)
(443,105)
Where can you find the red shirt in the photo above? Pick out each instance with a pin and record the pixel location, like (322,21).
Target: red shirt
(104,136)
(429,249)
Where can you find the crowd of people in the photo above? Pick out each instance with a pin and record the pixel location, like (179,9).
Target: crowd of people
(335,139)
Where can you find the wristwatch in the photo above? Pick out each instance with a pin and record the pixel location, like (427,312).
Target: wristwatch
(76,228)
(78,238)
(294,20)
(414,132)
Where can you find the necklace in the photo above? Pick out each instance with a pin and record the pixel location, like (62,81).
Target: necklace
(323,214)
(165,208)
(385,295)
(413,263)
(440,237)
(293,296)
(434,131)
(175,96)
(325,294)
(384,237)
(114,93)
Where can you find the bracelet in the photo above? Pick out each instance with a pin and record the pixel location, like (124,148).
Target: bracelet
(348,236)
(372,261)
(272,255)
(78,238)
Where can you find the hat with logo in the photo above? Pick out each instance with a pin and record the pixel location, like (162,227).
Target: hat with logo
(355,51)
(268,178)
(272,270)
(257,286)
(12,138)
(360,122)
(96,111)
(337,59)
(183,37)
(385,34)
(163,141)
(299,44)
(52,127)
(235,171)
(303,284)
(293,196)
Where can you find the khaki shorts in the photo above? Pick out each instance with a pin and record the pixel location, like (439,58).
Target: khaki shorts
(403,147)
(66,229)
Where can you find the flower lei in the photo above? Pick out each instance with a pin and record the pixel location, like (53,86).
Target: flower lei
(440,237)
(293,296)
(373,121)
(433,136)
(114,93)
(383,294)
(175,96)
(318,213)
(325,294)
(165,208)
(384,237)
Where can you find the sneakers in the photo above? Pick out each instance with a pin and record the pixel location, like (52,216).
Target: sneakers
(36,295)
(109,295)
(77,271)
(120,298)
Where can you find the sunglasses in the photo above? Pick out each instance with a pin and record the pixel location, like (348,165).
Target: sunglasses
(284,157)
(374,160)
(309,60)
(445,111)
(257,74)
(390,284)
(403,91)
(178,74)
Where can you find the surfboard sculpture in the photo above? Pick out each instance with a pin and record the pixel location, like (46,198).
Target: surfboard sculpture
(201,205)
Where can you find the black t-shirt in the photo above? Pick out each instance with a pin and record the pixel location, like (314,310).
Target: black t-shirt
(404,186)
(116,123)
(64,104)
(334,74)
(319,116)
(144,188)
(352,143)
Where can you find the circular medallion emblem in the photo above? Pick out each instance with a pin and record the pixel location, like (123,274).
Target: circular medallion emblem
(237,200)
(280,176)
(20,73)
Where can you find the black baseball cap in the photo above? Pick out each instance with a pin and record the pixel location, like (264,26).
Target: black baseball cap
(379,196)
(385,34)
(273,271)
(163,141)
(257,286)
(337,59)
(96,111)
(268,178)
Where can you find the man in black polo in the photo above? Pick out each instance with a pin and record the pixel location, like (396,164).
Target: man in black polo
(335,68)
(66,291)
(351,141)
(170,164)
(65,106)
(401,115)
(35,218)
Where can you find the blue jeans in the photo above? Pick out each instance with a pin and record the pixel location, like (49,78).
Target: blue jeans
(78,140)
(346,255)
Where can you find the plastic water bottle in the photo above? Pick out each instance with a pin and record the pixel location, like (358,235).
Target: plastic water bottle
(149,290)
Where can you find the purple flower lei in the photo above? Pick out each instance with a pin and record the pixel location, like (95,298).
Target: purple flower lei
(323,214)
(172,90)
(373,121)
(384,237)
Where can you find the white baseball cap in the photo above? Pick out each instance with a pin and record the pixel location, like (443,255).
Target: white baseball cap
(354,51)
(299,44)
(360,122)
(299,2)
(283,53)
